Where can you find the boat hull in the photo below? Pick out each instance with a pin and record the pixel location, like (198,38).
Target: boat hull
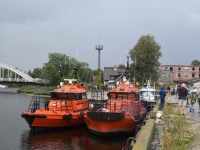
(53,120)
(111,127)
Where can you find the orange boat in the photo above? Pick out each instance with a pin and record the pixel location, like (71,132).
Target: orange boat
(67,106)
(123,113)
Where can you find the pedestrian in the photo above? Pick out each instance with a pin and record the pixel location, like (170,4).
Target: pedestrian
(198,96)
(182,98)
(162,97)
(193,98)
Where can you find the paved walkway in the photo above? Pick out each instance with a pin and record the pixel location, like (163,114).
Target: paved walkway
(192,118)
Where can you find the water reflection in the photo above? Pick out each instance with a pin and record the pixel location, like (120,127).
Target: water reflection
(71,139)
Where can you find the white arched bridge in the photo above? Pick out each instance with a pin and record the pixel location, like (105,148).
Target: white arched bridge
(15,75)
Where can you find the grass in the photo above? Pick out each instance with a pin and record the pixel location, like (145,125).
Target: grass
(33,89)
(177,135)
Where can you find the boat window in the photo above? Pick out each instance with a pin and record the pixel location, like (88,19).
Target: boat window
(53,95)
(84,96)
(71,96)
(62,96)
(120,96)
(78,96)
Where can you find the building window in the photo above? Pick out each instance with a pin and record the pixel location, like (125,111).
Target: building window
(179,68)
(193,68)
(179,75)
(199,68)
(171,68)
(163,76)
(193,75)
(186,75)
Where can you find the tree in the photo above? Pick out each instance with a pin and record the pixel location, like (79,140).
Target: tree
(145,56)
(37,73)
(61,66)
(121,66)
(195,63)
(50,73)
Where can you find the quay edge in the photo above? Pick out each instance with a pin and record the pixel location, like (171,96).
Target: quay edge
(146,135)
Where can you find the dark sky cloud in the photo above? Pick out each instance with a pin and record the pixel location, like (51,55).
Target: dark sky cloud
(30,30)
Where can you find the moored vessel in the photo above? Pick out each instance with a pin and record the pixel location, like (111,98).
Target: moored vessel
(148,95)
(123,112)
(67,106)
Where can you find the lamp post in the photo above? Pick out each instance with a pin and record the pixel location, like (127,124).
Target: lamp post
(127,67)
(134,68)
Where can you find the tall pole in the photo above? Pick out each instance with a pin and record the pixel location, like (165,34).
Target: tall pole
(127,68)
(99,48)
(134,69)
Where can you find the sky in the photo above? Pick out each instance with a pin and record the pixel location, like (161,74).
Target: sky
(31,29)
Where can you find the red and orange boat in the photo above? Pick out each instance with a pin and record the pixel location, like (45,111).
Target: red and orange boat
(67,106)
(122,113)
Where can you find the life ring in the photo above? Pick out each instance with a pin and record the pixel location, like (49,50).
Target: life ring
(64,117)
(67,116)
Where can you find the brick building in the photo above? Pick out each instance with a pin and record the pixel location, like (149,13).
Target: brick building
(178,73)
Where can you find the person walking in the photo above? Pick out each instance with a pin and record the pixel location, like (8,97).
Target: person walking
(182,98)
(198,96)
(193,98)
(162,97)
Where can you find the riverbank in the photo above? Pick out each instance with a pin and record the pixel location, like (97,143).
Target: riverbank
(9,90)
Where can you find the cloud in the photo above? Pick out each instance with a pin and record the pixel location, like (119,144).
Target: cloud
(35,28)
(194,19)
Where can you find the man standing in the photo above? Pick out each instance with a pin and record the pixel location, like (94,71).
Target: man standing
(182,98)
(162,97)
(198,96)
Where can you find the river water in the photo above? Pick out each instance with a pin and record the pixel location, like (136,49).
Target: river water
(15,134)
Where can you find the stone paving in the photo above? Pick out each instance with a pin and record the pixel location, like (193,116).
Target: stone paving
(192,117)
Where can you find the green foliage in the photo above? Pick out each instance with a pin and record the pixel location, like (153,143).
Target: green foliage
(50,73)
(59,67)
(145,56)
(121,66)
(195,63)
(32,89)
(37,73)
(98,79)
(176,134)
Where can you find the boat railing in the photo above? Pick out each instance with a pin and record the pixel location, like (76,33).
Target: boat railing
(118,106)
(34,104)
(97,95)
(69,106)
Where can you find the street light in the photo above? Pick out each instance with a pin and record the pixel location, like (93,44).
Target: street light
(127,68)
(127,56)
(134,68)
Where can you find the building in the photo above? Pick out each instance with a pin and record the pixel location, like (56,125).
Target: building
(112,73)
(178,73)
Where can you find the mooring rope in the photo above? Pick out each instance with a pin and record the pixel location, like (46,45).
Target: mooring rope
(128,143)
(139,118)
